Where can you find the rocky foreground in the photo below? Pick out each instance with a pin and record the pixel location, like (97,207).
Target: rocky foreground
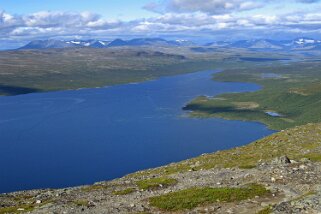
(278,174)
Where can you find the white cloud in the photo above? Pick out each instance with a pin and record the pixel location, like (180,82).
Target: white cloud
(50,24)
(211,6)
(216,6)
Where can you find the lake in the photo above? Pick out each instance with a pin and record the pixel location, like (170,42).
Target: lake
(69,138)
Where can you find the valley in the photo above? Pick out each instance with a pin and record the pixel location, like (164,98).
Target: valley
(280,89)
(42,69)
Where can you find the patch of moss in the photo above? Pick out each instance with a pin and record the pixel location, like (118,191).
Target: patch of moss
(311,145)
(313,157)
(81,202)
(191,198)
(6,210)
(25,206)
(124,192)
(14,209)
(155,183)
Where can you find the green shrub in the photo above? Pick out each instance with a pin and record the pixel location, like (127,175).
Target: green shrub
(155,183)
(191,198)
(124,192)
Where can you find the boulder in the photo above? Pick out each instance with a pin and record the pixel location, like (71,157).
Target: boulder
(281,160)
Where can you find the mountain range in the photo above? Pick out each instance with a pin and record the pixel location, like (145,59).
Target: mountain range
(44,44)
(267,44)
(299,44)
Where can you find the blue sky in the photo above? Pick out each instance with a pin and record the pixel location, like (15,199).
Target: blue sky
(114,9)
(24,20)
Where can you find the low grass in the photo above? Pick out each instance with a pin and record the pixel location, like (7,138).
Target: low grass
(155,183)
(313,156)
(124,192)
(191,198)
(81,202)
(26,208)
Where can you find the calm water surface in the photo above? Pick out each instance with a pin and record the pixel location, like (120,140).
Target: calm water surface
(70,138)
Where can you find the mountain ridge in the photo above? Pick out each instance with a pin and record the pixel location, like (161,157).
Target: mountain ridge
(93,43)
(301,43)
(298,44)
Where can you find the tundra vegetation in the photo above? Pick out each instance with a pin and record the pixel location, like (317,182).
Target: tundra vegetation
(290,96)
(28,71)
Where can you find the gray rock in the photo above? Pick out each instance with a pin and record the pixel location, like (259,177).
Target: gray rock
(281,160)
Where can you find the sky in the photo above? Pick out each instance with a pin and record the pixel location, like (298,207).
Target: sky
(22,21)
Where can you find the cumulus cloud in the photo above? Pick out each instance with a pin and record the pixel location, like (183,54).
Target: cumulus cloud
(214,6)
(46,24)
(201,20)
(207,6)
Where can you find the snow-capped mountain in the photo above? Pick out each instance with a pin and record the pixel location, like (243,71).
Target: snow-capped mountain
(306,44)
(249,44)
(43,44)
(306,41)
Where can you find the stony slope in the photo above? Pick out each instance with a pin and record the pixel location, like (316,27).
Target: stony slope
(257,178)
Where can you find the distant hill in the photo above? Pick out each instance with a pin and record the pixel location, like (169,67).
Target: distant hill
(41,44)
(267,44)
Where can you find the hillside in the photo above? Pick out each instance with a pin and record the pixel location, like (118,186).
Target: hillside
(290,96)
(280,173)
(27,71)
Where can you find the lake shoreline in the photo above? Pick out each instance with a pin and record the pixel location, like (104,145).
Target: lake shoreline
(280,94)
(207,147)
(136,192)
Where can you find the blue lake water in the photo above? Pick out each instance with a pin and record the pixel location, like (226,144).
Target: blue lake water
(68,138)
